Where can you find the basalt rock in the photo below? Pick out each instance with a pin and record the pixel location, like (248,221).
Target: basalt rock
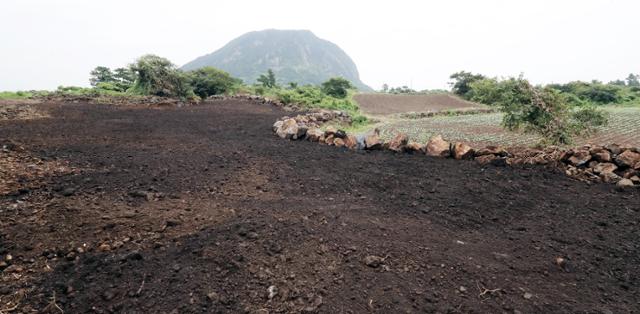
(625,183)
(600,154)
(314,134)
(605,167)
(610,177)
(614,149)
(438,147)
(398,143)
(491,150)
(414,147)
(340,134)
(330,131)
(372,142)
(329,139)
(288,129)
(628,159)
(486,159)
(462,151)
(580,158)
(350,142)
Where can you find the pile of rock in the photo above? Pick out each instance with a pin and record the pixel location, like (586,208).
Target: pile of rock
(459,112)
(611,164)
(307,126)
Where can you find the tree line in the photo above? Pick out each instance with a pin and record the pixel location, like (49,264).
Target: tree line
(157,76)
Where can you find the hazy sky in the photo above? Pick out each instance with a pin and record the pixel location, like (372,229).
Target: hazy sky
(46,43)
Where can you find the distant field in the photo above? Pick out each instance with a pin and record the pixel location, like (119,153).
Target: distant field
(485,129)
(384,104)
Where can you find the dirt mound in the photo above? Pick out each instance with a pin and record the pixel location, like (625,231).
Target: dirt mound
(202,209)
(381,104)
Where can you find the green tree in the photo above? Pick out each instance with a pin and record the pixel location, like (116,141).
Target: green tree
(124,77)
(337,87)
(101,74)
(268,80)
(633,80)
(462,81)
(385,88)
(209,81)
(618,83)
(158,76)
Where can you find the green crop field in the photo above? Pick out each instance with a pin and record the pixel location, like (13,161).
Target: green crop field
(485,129)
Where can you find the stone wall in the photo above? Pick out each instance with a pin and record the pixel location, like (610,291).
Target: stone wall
(611,164)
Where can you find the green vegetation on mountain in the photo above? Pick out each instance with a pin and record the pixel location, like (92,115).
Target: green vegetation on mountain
(296,56)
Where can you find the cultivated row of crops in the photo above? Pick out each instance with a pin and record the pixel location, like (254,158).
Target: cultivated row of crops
(485,129)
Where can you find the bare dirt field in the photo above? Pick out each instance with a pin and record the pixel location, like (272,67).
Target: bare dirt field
(202,209)
(383,104)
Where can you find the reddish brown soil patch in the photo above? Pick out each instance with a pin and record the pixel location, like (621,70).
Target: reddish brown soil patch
(24,110)
(389,104)
(202,209)
(20,171)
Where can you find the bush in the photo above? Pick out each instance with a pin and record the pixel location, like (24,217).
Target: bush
(16,95)
(337,87)
(209,81)
(108,86)
(594,92)
(159,77)
(544,111)
(310,97)
(487,91)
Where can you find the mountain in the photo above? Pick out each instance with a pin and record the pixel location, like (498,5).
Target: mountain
(294,55)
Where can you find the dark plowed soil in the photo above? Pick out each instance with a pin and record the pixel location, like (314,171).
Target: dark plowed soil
(381,104)
(203,210)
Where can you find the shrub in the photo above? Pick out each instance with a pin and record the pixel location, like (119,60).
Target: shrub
(209,81)
(159,77)
(337,87)
(594,92)
(487,91)
(544,111)
(588,119)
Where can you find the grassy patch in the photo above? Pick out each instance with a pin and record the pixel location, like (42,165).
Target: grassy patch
(16,95)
